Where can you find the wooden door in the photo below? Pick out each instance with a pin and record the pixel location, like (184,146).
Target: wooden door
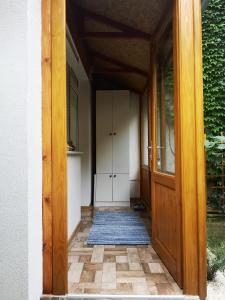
(104,132)
(166,203)
(121,131)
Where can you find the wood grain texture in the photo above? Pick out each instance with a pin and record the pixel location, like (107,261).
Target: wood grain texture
(166,223)
(199,113)
(59,171)
(190,112)
(145,186)
(177,149)
(165,237)
(184,25)
(46,147)
(164,179)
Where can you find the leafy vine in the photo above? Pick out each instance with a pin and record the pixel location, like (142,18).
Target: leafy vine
(213,25)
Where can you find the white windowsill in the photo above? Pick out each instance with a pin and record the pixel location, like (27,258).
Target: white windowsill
(74,153)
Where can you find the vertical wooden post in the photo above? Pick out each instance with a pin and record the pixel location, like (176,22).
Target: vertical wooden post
(191,138)
(59,170)
(46,147)
(199,113)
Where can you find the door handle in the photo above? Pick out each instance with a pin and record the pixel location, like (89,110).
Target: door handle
(158,147)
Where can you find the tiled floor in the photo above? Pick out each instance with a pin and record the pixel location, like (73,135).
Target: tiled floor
(118,270)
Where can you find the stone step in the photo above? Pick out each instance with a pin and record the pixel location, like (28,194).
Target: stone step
(116,297)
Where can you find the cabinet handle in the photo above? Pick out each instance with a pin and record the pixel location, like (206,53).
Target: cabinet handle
(110,176)
(114,133)
(114,176)
(110,133)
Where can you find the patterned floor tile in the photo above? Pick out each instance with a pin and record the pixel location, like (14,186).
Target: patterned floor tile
(97,254)
(122,267)
(116,269)
(121,259)
(109,273)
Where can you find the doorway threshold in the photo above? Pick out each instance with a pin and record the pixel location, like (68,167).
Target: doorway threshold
(119,297)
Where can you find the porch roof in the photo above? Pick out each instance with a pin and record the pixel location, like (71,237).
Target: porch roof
(113,37)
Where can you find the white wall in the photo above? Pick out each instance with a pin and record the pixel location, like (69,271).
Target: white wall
(84,115)
(145,127)
(134,146)
(73,191)
(20,151)
(34,143)
(84,111)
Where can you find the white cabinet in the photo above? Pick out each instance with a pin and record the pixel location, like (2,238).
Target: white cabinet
(104,147)
(121,188)
(104,187)
(121,125)
(112,148)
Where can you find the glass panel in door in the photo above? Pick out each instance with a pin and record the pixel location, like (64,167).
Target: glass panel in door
(165,114)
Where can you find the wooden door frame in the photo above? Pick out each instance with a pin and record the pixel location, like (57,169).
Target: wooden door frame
(187,17)
(54,192)
(188,51)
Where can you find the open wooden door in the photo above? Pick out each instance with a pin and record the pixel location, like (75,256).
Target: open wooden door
(177,147)
(166,208)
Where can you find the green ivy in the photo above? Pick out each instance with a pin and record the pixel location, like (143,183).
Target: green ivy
(213,25)
(215,159)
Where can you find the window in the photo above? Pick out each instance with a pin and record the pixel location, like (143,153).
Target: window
(72,111)
(145,128)
(165,109)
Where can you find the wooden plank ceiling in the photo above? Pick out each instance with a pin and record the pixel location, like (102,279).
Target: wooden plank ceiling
(113,37)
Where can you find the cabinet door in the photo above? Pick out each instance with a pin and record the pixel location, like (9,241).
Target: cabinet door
(121,188)
(121,104)
(104,131)
(104,188)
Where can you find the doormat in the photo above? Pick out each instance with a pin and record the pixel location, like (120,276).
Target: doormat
(118,228)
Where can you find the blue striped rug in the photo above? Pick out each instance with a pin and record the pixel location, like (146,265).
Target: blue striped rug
(118,228)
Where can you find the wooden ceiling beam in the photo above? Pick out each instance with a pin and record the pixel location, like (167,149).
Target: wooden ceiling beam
(112,70)
(163,23)
(120,26)
(110,35)
(119,63)
(121,84)
(82,49)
